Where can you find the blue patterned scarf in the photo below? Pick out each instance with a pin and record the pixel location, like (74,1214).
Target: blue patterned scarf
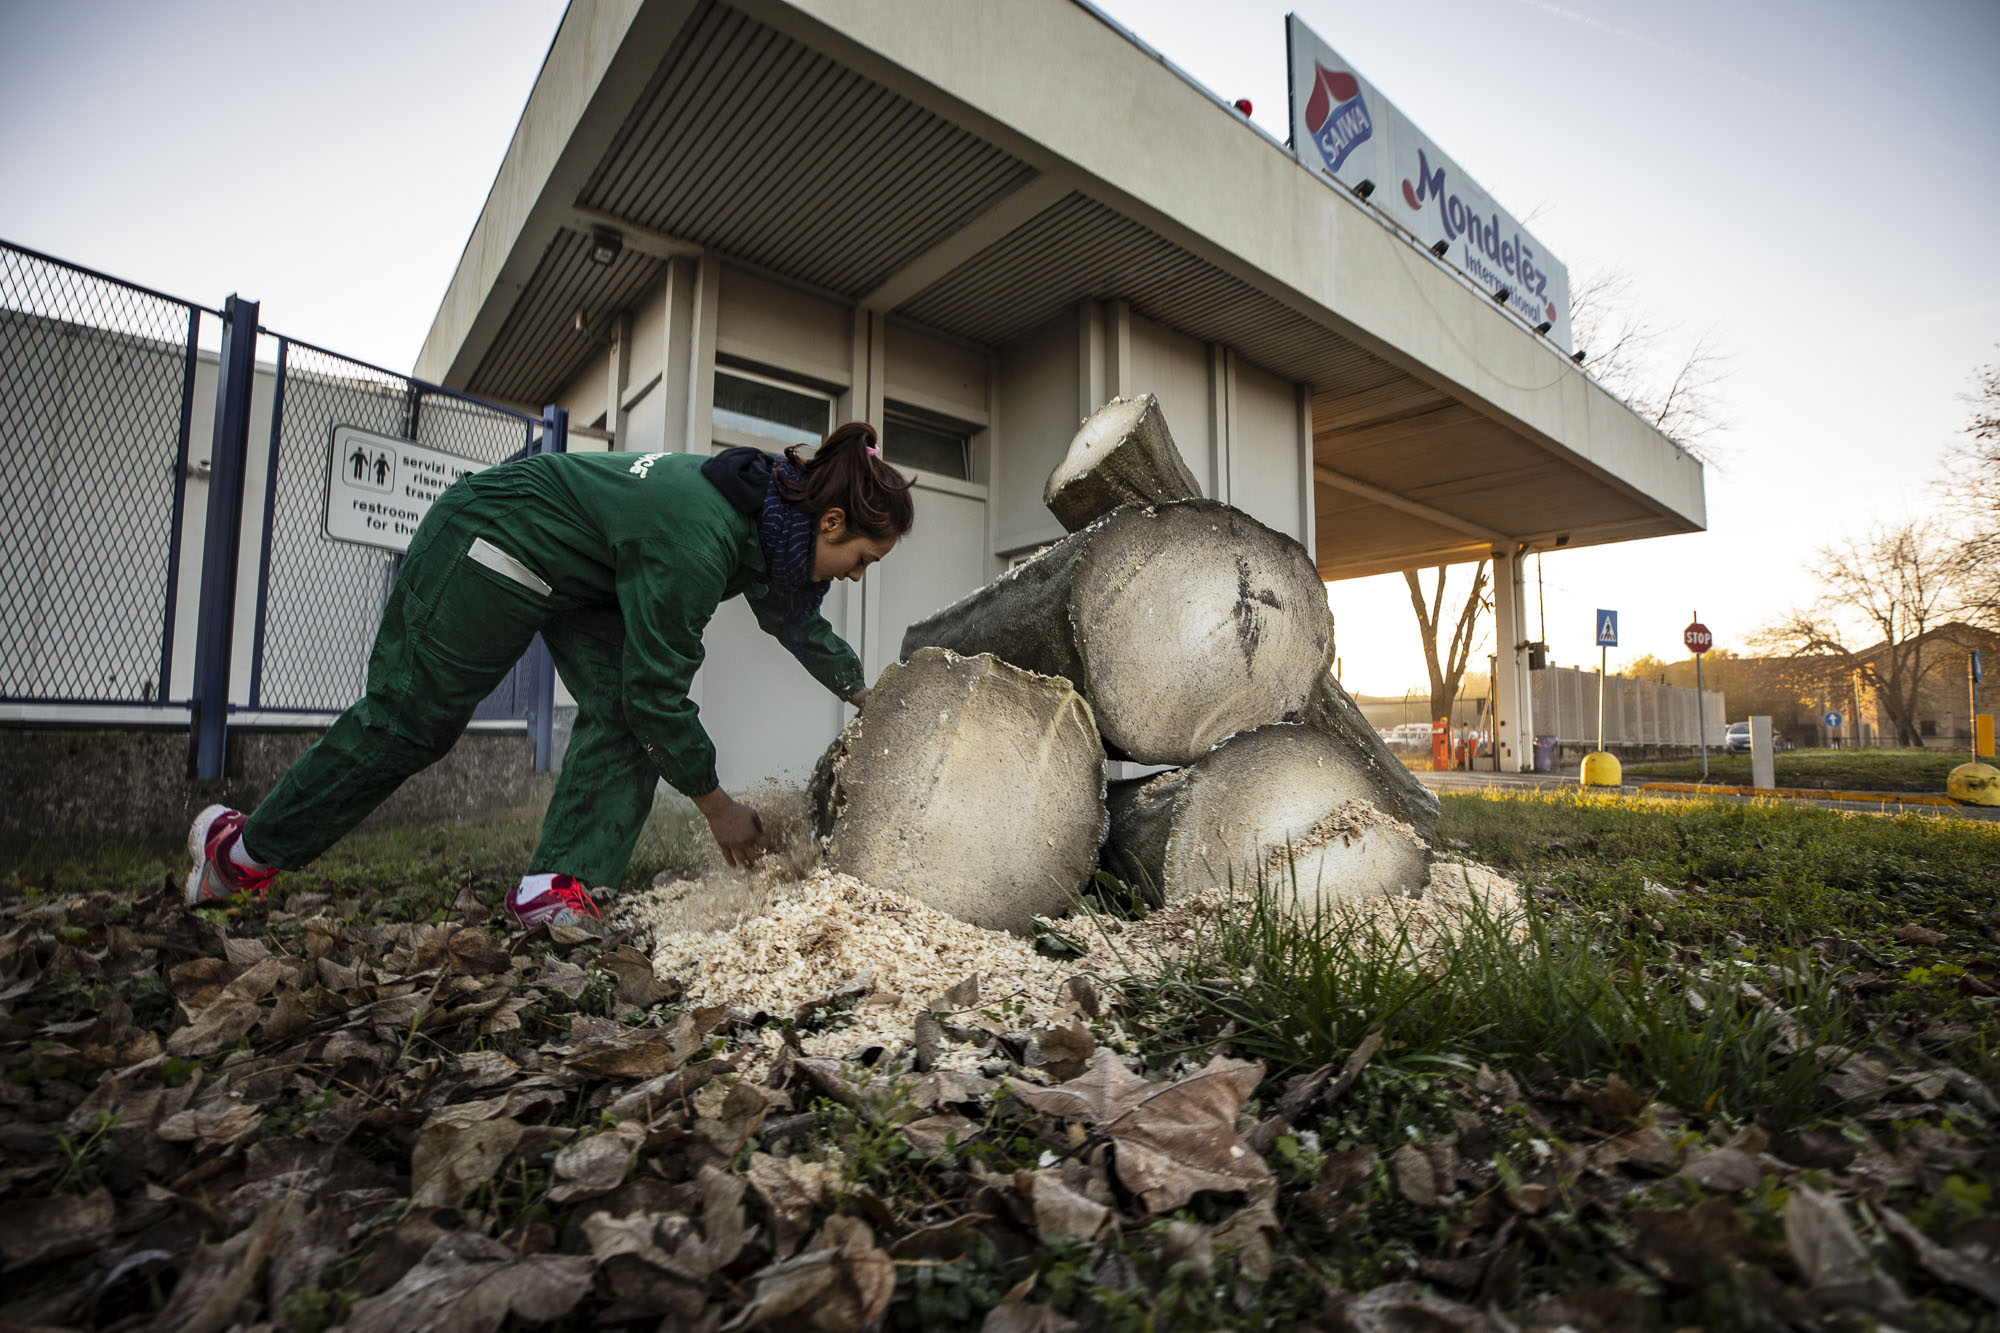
(787,536)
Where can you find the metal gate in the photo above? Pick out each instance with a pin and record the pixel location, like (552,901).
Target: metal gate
(108,469)
(313,592)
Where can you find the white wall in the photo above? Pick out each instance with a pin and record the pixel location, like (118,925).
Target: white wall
(1175,369)
(936,375)
(1038,396)
(1265,468)
(783,328)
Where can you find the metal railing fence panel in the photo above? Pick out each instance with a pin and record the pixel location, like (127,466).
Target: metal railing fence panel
(1635,711)
(320,600)
(96,387)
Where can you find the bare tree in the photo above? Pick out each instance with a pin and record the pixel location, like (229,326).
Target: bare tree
(1971,488)
(1447,664)
(1627,349)
(1881,595)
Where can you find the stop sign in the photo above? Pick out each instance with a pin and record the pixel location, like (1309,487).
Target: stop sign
(1697,638)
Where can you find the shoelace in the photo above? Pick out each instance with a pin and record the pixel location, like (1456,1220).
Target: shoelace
(240,877)
(572,894)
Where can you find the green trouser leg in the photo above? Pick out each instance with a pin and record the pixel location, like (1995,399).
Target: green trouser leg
(451,631)
(605,789)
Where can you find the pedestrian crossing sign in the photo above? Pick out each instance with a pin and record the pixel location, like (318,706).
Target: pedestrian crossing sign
(1607,629)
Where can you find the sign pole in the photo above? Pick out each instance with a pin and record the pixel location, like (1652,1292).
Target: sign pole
(1603,657)
(1972,692)
(1700,708)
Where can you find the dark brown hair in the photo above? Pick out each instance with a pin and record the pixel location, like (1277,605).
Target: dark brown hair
(845,473)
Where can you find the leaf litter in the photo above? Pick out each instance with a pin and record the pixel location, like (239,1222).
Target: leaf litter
(824,1106)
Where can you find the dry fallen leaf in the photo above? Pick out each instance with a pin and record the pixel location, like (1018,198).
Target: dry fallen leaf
(1725,1170)
(470,1284)
(34,1230)
(210,1127)
(598,1164)
(1181,1138)
(791,1188)
(1981,1276)
(1839,1272)
(1253,1234)
(844,1279)
(1060,1212)
(452,1159)
(1411,1170)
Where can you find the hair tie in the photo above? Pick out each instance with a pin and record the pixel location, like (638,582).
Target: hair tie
(874,451)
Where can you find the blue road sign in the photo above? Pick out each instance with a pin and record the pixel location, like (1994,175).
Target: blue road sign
(1607,629)
(1975,666)
(1833,719)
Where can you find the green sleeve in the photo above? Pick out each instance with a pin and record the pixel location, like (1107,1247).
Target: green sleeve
(666,594)
(823,653)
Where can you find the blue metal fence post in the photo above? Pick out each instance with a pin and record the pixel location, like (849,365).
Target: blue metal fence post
(553,439)
(229,453)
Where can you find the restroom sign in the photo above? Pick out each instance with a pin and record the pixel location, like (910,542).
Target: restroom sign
(378,488)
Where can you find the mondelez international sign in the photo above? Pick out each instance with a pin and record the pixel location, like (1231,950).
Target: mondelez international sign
(1345,130)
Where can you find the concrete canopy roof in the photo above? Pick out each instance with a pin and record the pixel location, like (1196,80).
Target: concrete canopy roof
(979,168)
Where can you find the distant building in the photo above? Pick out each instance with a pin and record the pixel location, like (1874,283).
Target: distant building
(1944,700)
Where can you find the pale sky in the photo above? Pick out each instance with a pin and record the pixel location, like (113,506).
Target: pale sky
(1815,181)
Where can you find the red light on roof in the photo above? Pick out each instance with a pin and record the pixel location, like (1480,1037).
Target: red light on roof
(1243,105)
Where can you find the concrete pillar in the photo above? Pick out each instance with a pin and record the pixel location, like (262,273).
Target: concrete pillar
(687,355)
(1761,772)
(1093,387)
(1514,709)
(617,376)
(866,400)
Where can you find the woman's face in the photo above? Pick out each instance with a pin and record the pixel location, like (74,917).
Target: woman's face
(840,554)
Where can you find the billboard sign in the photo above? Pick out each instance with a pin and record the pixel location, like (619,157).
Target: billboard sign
(378,488)
(1343,129)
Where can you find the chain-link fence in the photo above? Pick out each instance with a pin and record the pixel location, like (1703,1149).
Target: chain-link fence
(319,600)
(97,390)
(121,545)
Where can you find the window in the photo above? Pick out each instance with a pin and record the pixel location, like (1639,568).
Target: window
(927,444)
(779,412)
(1927,727)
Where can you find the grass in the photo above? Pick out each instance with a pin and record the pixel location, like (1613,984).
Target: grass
(1823,770)
(1681,946)
(410,874)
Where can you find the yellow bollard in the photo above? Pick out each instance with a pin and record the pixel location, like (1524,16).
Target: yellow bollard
(1974,784)
(1601,769)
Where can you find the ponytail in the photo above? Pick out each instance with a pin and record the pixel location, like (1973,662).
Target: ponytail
(847,473)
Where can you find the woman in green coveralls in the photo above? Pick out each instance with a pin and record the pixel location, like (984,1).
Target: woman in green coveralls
(618,560)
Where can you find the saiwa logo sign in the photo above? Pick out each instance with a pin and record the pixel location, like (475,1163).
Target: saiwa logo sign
(1337,115)
(1346,131)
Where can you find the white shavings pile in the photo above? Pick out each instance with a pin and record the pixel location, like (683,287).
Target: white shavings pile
(831,933)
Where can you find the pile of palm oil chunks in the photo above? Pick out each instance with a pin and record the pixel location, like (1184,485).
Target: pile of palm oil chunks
(1165,629)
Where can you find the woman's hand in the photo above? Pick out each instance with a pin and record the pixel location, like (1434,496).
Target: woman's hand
(737,829)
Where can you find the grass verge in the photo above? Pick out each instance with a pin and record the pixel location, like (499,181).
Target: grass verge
(1819,770)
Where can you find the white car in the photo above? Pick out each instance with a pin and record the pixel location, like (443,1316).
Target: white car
(1736,738)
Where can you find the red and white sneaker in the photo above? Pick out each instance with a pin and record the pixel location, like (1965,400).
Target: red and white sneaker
(563,903)
(217,878)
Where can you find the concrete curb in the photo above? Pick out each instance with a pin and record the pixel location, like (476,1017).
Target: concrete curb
(1801,793)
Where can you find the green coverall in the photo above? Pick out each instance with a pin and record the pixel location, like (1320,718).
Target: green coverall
(618,560)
